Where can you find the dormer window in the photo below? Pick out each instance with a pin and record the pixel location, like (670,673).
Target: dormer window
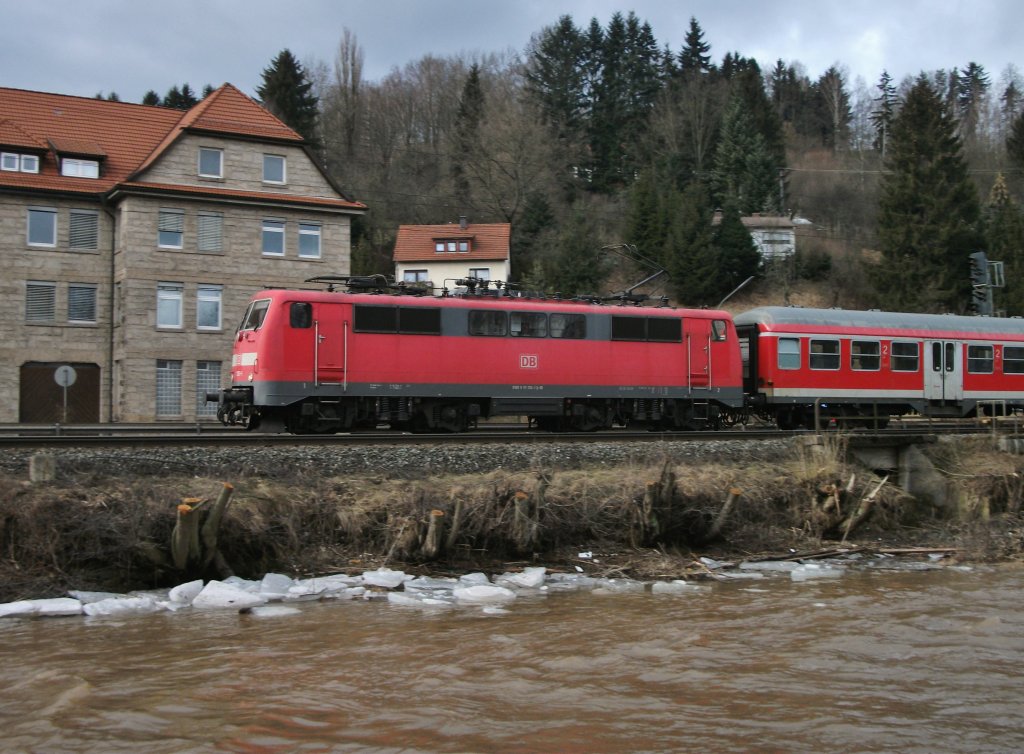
(451,245)
(273,168)
(77,168)
(19,163)
(211,163)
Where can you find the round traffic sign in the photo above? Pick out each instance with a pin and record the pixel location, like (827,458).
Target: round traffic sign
(65,375)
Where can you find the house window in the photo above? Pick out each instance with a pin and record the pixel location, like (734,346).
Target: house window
(42,227)
(211,163)
(170,229)
(29,163)
(207,381)
(40,301)
(208,307)
(865,355)
(789,353)
(824,354)
(83,229)
(480,273)
(905,357)
(168,304)
(76,168)
(82,303)
(168,388)
(273,238)
(273,168)
(309,240)
(439,246)
(979,359)
(415,276)
(1013,360)
(211,232)
(463,246)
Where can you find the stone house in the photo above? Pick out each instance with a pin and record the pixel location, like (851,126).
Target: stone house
(442,254)
(133,237)
(774,235)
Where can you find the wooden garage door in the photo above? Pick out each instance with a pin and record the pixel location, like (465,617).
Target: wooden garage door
(42,399)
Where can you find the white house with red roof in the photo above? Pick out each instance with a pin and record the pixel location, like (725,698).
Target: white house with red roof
(133,236)
(443,254)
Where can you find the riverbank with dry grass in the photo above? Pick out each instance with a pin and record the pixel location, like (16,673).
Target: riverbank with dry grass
(652,510)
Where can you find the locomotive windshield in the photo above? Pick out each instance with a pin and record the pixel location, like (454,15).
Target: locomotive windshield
(254,315)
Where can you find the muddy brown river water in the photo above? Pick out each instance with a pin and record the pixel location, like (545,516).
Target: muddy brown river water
(875,661)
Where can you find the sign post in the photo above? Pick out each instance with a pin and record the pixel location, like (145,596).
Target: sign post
(65,376)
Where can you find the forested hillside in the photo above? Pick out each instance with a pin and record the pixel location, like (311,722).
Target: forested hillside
(598,134)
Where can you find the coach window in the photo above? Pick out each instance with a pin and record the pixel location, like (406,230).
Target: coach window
(300,315)
(528,325)
(789,353)
(665,330)
(719,329)
(865,355)
(254,315)
(979,359)
(1013,360)
(905,357)
(824,354)
(568,325)
(629,328)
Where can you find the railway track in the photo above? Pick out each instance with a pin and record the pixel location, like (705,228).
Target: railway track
(208,435)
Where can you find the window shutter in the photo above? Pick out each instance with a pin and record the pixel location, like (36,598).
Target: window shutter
(81,303)
(210,232)
(84,230)
(40,302)
(172,222)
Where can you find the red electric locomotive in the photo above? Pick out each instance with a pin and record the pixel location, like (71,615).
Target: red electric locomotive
(327,361)
(857,366)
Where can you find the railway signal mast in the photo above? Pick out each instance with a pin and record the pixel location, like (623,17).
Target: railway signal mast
(985,276)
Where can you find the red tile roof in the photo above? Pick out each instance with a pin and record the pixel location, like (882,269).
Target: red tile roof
(415,243)
(130,138)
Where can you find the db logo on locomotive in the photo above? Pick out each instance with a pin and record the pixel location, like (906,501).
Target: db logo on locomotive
(527,361)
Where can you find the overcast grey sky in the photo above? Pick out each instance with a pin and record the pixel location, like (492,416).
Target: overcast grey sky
(83,47)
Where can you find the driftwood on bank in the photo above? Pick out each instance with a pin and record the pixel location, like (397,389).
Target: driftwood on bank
(194,540)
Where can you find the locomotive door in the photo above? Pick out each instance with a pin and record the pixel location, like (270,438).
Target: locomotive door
(330,326)
(698,352)
(944,378)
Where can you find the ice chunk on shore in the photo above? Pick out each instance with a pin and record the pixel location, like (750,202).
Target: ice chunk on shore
(272,611)
(417,599)
(474,578)
(676,586)
(384,577)
(809,571)
(218,594)
(769,565)
(275,586)
(483,594)
(530,578)
(183,594)
(122,606)
(48,608)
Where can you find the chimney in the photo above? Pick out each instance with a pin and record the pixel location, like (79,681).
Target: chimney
(463,222)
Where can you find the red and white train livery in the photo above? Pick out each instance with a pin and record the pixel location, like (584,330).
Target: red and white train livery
(857,365)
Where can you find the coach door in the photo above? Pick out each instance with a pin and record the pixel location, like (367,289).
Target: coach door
(944,377)
(331,329)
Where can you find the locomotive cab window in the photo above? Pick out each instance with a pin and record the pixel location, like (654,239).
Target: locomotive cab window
(300,315)
(567,326)
(1013,360)
(824,354)
(905,357)
(719,329)
(488,323)
(528,325)
(789,353)
(979,359)
(865,355)
(254,315)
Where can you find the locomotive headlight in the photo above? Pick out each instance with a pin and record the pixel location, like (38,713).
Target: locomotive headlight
(250,376)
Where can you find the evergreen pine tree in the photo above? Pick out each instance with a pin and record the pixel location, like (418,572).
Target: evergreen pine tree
(287,93)
(833,106)
(929,212)
(737,257)
(535,226)
(151,98)
(1015,142)
(578,266)
(745,171)
(694,58)
(691,259)
(467,132)
(884,112)
(1004,232)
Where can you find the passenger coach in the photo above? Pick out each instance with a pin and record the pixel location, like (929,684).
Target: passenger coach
(311,361)
(859,365)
